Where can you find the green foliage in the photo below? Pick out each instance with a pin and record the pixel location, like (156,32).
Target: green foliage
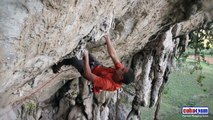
(205,90)
(185,91)
(200,79)
(30,107)
(200,45)
(201,39)
(181,90)
(196,66)
(166,91)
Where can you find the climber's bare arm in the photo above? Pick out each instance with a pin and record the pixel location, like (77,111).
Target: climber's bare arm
(87,70)
(111,50)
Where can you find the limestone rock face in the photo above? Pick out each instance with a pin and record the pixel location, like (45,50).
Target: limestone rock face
(35,34)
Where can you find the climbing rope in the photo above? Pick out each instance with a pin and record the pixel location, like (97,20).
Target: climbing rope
(20,102)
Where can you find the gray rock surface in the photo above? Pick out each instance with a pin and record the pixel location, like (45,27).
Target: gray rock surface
(35,34)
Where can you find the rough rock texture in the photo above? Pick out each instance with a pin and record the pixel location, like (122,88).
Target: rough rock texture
(35,34)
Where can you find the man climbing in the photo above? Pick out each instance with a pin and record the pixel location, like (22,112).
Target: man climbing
(103,78)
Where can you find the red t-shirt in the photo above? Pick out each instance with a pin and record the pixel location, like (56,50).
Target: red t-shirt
(104,80)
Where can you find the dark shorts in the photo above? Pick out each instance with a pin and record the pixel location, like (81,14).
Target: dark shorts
(79,64)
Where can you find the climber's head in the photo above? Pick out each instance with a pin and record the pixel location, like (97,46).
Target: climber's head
(124,75)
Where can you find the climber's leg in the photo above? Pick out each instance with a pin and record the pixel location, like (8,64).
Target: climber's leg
(93,61)
(75,62)
(78,64)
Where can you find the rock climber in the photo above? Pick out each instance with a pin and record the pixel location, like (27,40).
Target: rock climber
(103,78)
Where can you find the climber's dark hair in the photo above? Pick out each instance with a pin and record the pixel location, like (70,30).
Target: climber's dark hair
(128,76)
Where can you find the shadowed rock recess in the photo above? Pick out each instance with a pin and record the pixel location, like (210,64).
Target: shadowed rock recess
(35,34)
